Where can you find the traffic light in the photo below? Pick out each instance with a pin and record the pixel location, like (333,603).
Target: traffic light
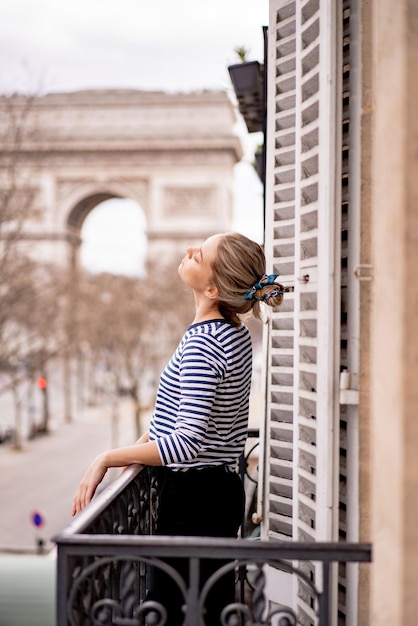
(41,382)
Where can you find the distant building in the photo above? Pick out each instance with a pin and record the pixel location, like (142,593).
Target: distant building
(172,153)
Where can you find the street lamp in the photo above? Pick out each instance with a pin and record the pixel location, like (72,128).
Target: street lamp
(42,384)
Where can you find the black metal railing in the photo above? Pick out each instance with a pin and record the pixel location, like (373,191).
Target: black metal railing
(248,471)
(106,554)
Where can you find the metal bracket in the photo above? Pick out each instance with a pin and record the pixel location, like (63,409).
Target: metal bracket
(349,388)
(364,271)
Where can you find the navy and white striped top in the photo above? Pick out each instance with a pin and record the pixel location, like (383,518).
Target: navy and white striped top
(202,405)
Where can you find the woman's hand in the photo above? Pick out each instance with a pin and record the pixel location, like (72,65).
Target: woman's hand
(144,452)
(89,483)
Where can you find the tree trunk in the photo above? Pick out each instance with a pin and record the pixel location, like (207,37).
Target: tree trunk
(17,435)
(67,386)
(45,409)
(137,417)
(133,392)
(115,423)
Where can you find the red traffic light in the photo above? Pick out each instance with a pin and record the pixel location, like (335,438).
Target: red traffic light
(41,382)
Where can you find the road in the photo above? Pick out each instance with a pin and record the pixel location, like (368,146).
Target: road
(44,475)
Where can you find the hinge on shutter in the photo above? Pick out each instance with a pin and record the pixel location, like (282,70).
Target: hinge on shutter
(348,388)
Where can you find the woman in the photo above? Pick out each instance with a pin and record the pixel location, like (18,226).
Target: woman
(199,425)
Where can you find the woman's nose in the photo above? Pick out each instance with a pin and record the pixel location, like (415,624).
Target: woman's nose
(189,252)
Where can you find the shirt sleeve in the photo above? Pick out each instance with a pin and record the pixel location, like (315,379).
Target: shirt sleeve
(202,368)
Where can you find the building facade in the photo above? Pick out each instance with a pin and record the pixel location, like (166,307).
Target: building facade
(341,218)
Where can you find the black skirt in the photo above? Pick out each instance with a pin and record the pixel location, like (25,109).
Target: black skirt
(205,502)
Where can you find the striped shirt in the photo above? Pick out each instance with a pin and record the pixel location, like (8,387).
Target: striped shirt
(202,404)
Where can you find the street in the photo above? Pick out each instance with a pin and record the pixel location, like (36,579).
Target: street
(37,484)
(42,478)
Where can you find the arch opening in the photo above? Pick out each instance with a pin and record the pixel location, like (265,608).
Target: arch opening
(113,237)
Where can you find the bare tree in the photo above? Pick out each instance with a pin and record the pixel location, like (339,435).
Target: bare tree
(28,315)
(16,192)
(32,335)
(131,326)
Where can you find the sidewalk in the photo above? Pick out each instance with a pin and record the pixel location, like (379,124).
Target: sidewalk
(43,476)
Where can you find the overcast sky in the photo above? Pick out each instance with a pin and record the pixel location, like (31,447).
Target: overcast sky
(145,44)
(172,45)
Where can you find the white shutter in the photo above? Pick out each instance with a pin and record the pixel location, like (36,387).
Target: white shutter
(280,251)
(303,245)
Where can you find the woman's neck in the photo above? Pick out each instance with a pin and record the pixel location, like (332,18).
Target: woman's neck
(206,311)
(207,318)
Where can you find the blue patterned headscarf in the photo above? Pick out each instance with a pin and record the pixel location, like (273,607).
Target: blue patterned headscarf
(265,289)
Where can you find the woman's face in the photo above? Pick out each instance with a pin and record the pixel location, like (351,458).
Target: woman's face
(195,269)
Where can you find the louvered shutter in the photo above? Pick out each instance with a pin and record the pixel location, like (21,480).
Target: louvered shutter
(303,245)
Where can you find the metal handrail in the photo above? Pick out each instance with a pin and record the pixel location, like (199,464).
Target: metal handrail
(119,560)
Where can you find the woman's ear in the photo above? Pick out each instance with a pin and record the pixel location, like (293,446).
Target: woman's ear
(211,292)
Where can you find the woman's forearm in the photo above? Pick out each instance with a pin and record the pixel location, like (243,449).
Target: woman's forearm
(140,453)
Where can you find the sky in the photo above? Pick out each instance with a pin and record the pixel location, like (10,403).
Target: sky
(169,45)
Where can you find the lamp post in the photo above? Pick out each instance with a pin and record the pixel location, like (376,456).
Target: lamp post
(42,384)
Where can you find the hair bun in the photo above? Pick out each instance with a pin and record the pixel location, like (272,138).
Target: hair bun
(271,294)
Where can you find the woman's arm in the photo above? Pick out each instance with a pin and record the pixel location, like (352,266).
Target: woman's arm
(144,438)
(144,453)
(197,375)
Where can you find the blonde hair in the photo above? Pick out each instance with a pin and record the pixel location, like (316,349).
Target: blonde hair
(239,264)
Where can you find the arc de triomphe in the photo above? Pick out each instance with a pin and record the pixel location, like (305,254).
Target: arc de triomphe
(171,153)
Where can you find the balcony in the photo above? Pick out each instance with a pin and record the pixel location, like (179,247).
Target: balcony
(105,557)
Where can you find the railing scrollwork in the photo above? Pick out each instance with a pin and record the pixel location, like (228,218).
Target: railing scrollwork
(106,555)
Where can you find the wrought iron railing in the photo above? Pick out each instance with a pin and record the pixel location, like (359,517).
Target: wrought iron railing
(106,554)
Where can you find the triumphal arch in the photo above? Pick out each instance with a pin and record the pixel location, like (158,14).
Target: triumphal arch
(173,153)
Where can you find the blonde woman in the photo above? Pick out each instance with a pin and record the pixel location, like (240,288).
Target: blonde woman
(199,424)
